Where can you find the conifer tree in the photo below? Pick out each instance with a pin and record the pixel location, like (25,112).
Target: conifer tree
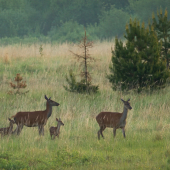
(19,85)
(162,27)
(137,64)
(85,85)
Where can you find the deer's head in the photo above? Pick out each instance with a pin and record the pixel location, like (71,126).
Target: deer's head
(51,102)
(59,121)
(127,104)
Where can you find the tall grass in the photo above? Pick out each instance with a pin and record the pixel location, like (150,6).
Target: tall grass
(148,123)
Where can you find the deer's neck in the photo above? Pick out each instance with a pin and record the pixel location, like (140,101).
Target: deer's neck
(48,110)
(58,128)
(124,115)
(10,128)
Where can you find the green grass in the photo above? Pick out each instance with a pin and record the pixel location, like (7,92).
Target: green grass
(147,131)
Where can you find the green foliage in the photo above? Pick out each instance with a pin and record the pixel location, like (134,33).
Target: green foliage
(83,11)
(112,23)
(137,64)
(41,50)
(80,87)
(118,4)
(71,80)
(13,23)
(162,27)
(63,20)
(26,40)
(69,31)
(142,9)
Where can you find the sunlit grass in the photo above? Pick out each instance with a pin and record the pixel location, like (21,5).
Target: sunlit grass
(148,123)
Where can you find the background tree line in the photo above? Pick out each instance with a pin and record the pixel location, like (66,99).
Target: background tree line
(62,20)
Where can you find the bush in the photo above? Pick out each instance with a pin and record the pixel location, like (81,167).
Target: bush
(79,87)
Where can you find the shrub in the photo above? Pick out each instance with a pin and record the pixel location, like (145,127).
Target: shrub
(137,64)
(79,87)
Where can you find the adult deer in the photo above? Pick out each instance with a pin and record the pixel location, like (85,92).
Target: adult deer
(36,118)
(113,120)
(55,131)
(7,130)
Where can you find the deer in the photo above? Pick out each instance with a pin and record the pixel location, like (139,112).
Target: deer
(33,119)
(113,120)
(7,130)
(55,131)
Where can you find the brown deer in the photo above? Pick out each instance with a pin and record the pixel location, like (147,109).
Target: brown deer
(36,118)
(113,120)
(55,131)
(7,130)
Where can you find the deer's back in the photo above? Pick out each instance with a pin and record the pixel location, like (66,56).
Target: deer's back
(30,118)
(5,131)
(109,119)
(53,129)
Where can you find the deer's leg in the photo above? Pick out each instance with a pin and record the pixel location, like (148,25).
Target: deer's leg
(58,134)
(15,131)
(19,128)
(123,131)
(114,132)
(101,130)
(41,129)
(98,134)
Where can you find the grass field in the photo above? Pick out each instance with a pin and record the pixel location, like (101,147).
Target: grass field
(147,143)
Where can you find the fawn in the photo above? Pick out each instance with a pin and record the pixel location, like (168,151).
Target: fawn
(55,131)
(7,130)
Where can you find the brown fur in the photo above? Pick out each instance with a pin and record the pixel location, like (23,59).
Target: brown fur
(55,131)
(108,119)
(36,118)
(113,120)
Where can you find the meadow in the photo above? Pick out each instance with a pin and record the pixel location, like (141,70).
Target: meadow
(146,145)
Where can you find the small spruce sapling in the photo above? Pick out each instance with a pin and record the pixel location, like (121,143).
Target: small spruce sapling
(19,85)
(85,84)
(41,50)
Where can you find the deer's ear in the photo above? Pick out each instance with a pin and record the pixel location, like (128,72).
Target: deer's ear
(128,100)
(122,100)
(9,119)
(46,97)
(49,98)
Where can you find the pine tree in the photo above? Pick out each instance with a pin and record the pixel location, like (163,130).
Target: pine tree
(137,64)
(162,27)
